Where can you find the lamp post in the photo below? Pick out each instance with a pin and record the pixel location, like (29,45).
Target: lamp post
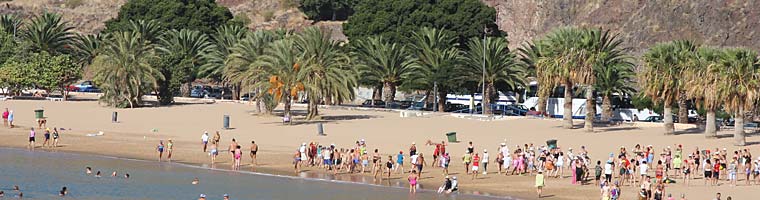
(483,94)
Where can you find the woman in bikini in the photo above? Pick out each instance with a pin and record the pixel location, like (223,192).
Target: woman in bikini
(160,149)
(169,148)
(238,154)
(55,137)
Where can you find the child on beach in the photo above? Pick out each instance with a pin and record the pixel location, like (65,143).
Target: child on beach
(238,154)
(160,149)
(10,119)
(413,181)
(539,183)
(389,166)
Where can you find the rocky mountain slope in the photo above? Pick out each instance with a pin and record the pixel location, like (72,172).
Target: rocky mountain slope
(640,23)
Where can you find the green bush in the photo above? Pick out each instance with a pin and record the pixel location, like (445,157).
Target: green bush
(268,15)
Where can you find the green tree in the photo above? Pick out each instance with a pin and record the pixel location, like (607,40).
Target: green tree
(661,74)
(383,62)
(613,71)
(396,20)
(189,46)
(701,79)
(320,10)
(86,48)
(200,15)
(740,83)
(49,33)
(242,64)
(281,65)
(123,69)
(500,67)
(225,38)
(326,73)
(55,73)
(11,25)
(8,46)
(437,58)
(530,53)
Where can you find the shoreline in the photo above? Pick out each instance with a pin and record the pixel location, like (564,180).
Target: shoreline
(270,172)
(133,137)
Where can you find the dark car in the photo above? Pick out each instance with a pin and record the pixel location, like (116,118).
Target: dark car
(652,119)
(378,104)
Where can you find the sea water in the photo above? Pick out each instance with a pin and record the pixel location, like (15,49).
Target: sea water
(41,175)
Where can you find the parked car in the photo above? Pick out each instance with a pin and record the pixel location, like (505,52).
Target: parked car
(378,104)
(652,119)
(85,86)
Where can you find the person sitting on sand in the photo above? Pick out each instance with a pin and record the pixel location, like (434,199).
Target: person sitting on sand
(446,185)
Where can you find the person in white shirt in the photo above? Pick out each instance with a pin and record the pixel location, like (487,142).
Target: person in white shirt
(484,161)
(643,169)
(204,140)
(302,150)
(608,169)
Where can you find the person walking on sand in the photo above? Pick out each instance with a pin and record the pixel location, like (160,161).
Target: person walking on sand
(169,149)
(400,162)
(413,181)
(160,149)
(46,142)
(467,159)
(217,138)
(56,136)
(214,152)
(31,139)
(5,118)
(539,183)
(420,163)
(475,165)
(413,149)
(296,161)
(204,140)
(389,166)
(254,150)
(484,161)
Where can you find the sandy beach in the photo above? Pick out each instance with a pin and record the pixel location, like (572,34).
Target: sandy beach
(139,130)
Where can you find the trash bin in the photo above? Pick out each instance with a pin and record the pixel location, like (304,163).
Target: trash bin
(452,136)
(39,114)
(320,129)
(226,122)
(115,117)
(551,144)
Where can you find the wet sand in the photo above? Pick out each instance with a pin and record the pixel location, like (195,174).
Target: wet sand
(133,137)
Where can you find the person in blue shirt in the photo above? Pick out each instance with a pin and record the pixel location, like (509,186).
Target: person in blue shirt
(400,162)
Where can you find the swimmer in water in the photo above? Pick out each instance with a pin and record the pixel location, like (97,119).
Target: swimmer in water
(97,175)
(226,197)
(88,170)
(114,174)
(196,181)
(15,188)
(203,197)
(2,194)
(64,191)
(126,176)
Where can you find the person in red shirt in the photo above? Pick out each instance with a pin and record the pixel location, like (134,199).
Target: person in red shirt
(716,171)
(475,165)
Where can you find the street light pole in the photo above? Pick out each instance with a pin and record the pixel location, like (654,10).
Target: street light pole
(435,99)
(483,95)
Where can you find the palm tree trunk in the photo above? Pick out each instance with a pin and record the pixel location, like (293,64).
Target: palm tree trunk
(667,115)
(313,109)
(542,104)
(606,108)
(258,100)
(286,109)
(486,100)
(441,101)
(567,114)
(710,131)
(186,89)
(739,139)
(429,98)
(389,93)
(377,92)
(683,110)
(590,109)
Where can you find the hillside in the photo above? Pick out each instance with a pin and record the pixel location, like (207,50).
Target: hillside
(639,23)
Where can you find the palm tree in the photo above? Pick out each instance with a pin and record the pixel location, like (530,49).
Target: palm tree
(325,73)
(500,66)
(242,67)
(225,38)
(189,46)
(701,81)
(613,69)
(530,53)
(660,77)
(86,48)
(568,59)
(383,62)
(123,70)
(48,33)
(150,31)
(11,24)
(437,57)
(740,82)
(281,64)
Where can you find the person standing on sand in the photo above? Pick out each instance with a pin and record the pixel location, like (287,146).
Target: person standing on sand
(55,137)
(10,119)
(302,150)
(31,139)
(420,163)
(296,161)
(217,138)
(413,149)
(475,165)
(204,140)
(254,150)
(484,161)
(539,183)
(467,159)
(237,156)
(389,166)
(413,181)
(160,149)
(232,147)
(169,149)
(5,118)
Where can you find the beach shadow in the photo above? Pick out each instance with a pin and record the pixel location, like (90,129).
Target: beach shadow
(547,196)
(327,119)
(619,129)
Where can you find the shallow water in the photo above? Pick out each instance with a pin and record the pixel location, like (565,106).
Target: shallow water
(40,175)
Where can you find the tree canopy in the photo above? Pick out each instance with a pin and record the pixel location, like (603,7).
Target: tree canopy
(396,20)
(320,10)
(200,15)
